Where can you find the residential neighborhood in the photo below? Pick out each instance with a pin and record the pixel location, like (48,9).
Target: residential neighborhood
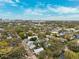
(39,40)
(39,29)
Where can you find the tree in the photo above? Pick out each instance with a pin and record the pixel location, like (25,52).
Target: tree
(74,46)
(19,29)
(21,34)
(70,55)
(30,33)
(41,35)
(55,48)
(15,54)
(33,39)
(42,55)
(4,43)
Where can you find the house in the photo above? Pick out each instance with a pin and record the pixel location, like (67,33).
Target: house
(31,45)
(1,29)
(62,33)
(54,32)
(37,51)
(70,29)
(29,37)
(76,36)
(32,37)
(63,40)
(48,36)
(9,37)
(47,39)
(76,31)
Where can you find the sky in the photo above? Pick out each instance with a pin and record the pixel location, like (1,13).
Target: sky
(39,9)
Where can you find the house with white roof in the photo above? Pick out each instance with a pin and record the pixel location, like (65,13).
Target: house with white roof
(37,51)
(32,37)
(31,45)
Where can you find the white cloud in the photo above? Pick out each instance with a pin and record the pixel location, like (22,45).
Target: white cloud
(33,12)
(36,17)
(73,0)
(43,14)
(64,10)
(28,11)
(12,3)
(46,14)
(17,1)
(67,10)
(51,9)
(8,1)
